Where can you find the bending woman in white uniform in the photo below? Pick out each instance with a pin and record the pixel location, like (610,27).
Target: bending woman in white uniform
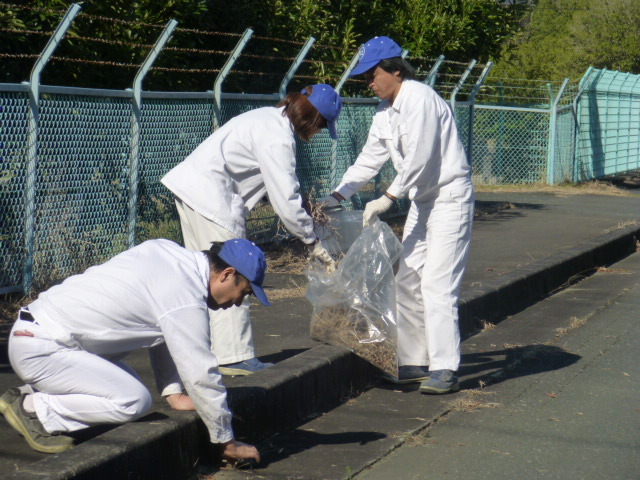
(216,187)
(415,127)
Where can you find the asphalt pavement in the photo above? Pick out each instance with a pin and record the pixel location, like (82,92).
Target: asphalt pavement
(525,246)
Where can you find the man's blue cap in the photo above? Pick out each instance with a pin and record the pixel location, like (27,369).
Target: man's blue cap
(373,52)
(328,103)
(249,261)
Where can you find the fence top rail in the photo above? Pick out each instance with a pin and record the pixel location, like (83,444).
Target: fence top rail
(511,108)
(14,87)
(97,92)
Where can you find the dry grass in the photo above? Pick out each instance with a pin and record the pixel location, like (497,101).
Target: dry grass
(484,325)
(586,188)
(287,257)
(472,400)
(282,293)
(574,323)
(347,327)
(622,225)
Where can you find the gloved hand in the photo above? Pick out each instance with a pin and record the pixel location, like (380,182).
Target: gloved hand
(329,201)
(375,208)
(320,253)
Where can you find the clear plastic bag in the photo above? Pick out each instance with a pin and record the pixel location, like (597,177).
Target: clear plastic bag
(355,306)
(341,231)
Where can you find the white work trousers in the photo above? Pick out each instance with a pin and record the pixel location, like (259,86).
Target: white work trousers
(75,389)
(436,241)
(231,333)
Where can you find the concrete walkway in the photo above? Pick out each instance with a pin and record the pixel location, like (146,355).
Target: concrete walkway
(525,247)
(576,422)
(559,400)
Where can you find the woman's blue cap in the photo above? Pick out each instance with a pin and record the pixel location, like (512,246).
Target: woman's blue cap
(373,52)
(249,261)
(328,103)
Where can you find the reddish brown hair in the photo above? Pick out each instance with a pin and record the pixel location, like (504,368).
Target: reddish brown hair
(304,117)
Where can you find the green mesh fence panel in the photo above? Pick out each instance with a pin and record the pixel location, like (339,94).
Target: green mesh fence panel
(233,107)
(84,153)
(13,147)
(171,128)
(509,146)
(563,165)
(81,183)
(608,125)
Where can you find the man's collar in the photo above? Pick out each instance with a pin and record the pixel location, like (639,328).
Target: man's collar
(400,99)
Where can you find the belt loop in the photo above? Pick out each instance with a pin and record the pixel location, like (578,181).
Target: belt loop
(25,315)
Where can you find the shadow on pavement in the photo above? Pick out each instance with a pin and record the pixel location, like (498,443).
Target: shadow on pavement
(490,367)
(296,441)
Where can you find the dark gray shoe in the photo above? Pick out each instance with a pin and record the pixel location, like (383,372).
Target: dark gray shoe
(28,425)
(439,382)
(409,374)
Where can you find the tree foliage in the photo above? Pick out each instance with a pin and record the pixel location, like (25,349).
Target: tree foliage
(459,29)
(563,38)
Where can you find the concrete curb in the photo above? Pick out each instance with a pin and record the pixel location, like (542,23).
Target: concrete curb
(518,289)
(167,445)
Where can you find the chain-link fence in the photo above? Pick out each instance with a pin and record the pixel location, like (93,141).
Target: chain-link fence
(80,168)
(82,159)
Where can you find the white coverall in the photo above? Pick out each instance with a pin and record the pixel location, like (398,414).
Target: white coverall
(418,132)
(216,187)
(151,296)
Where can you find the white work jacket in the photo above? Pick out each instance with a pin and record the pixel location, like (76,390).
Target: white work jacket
(418,131)
(230,172)
(153,295)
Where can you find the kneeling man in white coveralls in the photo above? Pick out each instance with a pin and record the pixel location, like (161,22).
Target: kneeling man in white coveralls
(68,345)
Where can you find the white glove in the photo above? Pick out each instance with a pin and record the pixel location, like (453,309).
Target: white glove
(320,253)
(329,201)
(375,208)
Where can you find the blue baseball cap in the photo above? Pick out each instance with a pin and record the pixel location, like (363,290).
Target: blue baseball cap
(373,52)
(328,103)
(249,261)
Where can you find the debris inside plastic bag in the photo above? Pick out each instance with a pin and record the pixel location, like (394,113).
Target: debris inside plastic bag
(339,231)
(355,306)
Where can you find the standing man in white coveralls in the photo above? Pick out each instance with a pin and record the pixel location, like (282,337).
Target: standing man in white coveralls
(416,128)
(68,345)
(217,185)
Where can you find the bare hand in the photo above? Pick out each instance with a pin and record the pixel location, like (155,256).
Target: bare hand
(234,451)
(180,401)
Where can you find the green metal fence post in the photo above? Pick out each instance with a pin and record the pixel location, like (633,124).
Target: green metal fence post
(551,149)
(294,66)
(32,153)
(136,118)
(463,78)
(499,148)
(576,119)
(228,65)
(333,180)
(472,99)
(431,78)
(352,65)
